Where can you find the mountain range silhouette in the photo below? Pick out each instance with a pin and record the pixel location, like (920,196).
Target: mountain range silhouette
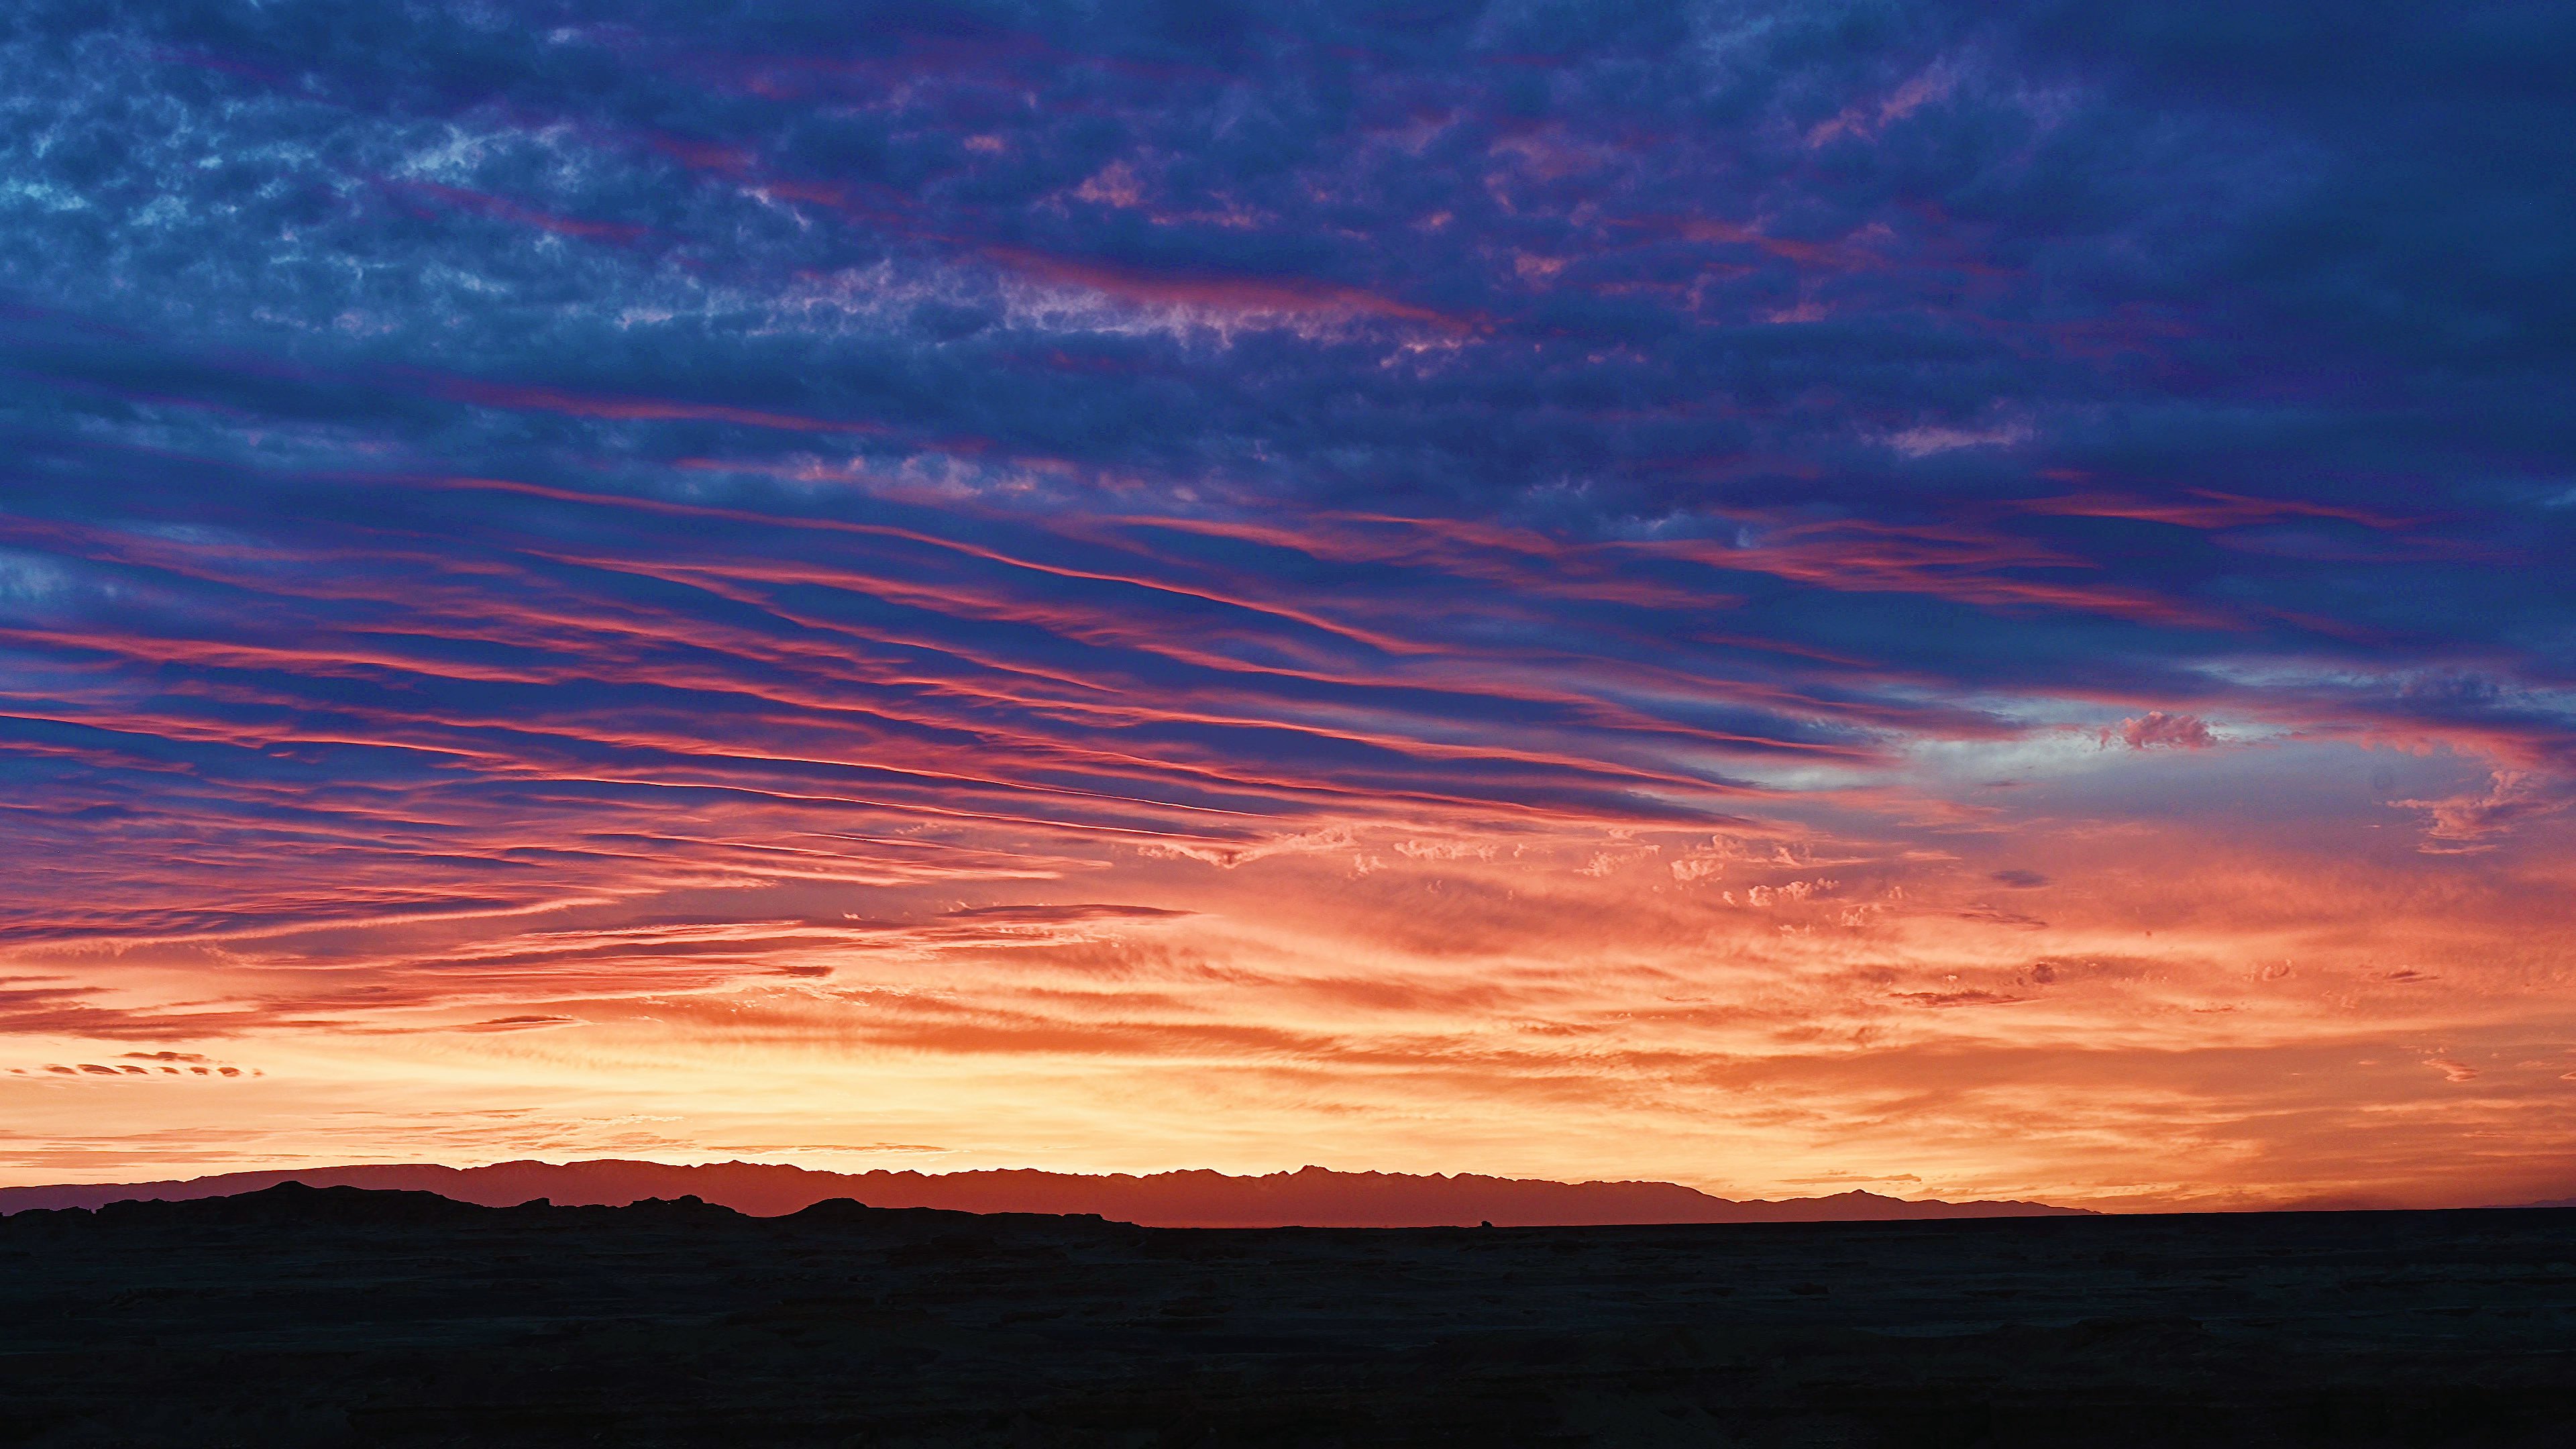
(1310,1197)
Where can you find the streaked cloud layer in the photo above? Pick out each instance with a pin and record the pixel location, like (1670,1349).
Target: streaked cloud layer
(1961,597)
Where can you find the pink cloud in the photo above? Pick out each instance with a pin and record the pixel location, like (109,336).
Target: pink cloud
(621,409)
(1865,121)
(2461,824)
(2199,508)
(2158,730)
(1222,296)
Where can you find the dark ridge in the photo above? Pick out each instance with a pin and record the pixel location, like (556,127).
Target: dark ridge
(294,1203)
(1312,1197)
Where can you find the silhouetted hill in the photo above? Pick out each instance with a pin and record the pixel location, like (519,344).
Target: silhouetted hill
(1312,1197)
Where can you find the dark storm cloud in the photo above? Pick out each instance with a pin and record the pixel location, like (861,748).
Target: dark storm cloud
(475,449)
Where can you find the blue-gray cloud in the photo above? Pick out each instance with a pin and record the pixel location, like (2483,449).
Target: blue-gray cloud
(473,446)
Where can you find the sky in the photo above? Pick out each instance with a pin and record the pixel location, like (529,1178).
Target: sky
(1959,600)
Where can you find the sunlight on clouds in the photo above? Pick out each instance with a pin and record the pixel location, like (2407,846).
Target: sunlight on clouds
(1746,594)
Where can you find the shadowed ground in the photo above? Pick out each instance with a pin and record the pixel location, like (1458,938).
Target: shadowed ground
(305,1317)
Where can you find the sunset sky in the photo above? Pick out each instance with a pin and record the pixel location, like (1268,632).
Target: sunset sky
(1964,600)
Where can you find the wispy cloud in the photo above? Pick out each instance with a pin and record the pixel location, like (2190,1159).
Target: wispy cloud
(1509,571)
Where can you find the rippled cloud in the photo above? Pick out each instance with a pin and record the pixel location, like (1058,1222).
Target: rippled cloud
(1980,589)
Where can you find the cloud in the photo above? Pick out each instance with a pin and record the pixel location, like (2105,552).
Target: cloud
(1946,999)
(2158,730)
(1922,442)
(507,519)
(1052,915)
(2467,823)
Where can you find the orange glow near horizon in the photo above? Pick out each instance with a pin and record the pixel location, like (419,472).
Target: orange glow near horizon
(2156,1018)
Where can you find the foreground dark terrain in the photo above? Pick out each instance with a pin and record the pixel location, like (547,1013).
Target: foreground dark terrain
(306,1317)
